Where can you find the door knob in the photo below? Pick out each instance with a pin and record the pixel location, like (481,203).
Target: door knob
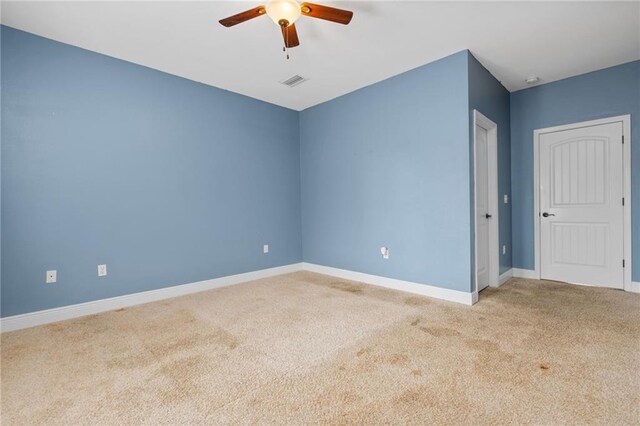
(488,216)
(545,214)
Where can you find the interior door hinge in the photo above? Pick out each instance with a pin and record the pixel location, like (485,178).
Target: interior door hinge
(623,263)
(623,139)
(623,201)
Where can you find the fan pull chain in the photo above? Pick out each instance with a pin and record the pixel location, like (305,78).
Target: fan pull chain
(286,41)
(286,38)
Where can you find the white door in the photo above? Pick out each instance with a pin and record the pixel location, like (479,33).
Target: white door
(581,211)
(482,209)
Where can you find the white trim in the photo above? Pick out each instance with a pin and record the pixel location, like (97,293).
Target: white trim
(492,169)
(635,287)
(406,286)
(525,273)
(47,316)
(628,252)
(505,276)
(32,319)
(626,149)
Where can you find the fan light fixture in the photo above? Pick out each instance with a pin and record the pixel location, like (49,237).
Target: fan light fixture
(283,11)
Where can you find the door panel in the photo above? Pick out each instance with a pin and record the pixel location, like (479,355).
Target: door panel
(581,189)
(482,207)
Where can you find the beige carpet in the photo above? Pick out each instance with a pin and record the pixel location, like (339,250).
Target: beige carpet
(309,349)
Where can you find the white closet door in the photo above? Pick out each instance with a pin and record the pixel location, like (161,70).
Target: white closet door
(581,212)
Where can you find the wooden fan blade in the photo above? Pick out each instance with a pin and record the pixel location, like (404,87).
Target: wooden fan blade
(290,35)
(243,16)
(325,12)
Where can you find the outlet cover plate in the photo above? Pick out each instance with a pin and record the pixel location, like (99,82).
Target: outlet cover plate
(102,270)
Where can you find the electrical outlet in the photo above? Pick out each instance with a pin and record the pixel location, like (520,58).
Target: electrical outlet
(385,252)
(506,199)
(504,249)
(265,248)
(102,270)
(52,277)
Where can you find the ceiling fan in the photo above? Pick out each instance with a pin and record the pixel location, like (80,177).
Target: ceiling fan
(285,12)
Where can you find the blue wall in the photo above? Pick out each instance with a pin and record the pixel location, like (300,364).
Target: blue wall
(165,180)
(488,95)
(169,181)
(609,92)
(389,165)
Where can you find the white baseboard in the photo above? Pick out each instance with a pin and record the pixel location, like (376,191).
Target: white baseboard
(47,316)
(406,286)
(504,277)
(525,273)
(32,319)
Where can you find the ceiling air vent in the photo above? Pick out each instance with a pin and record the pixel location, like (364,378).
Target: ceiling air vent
(294,81)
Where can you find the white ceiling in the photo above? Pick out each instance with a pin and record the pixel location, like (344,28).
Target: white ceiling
(514,40)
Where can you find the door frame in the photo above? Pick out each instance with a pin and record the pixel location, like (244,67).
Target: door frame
(626,178)
(492,172)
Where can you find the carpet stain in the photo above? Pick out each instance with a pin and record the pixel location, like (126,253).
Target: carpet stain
(13,351)
(397,359)
(499,367)
(363,351)
(415,322)
(55,327)
(416,372)
(544,366)
(440,331)
(483,345)
(347,286)
(185,374)
(417,397)
(216,338)
(185,335)
(417,301)
(131,362)
(350,397)
(338,399)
